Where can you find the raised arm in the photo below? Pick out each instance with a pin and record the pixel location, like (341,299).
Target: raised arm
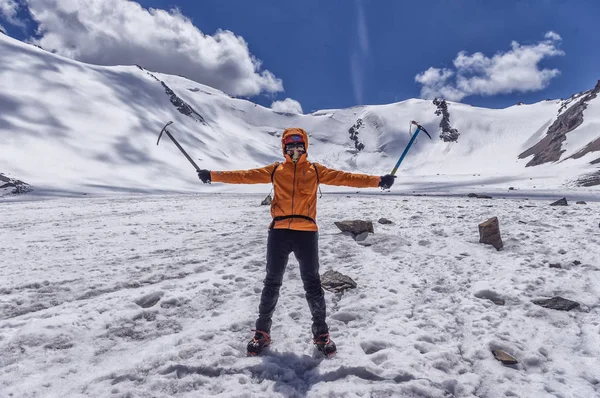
(341,178)
(251,176)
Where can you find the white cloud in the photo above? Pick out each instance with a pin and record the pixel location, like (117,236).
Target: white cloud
(121,32)
(552,36)
(288,105)
(516,70)
(8,10)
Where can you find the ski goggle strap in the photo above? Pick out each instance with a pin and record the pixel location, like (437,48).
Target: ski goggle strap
(293,139)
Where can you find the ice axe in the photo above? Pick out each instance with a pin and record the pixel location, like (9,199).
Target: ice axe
(164,130)
(413,138)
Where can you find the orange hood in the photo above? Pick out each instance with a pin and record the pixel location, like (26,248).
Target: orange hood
(294,131)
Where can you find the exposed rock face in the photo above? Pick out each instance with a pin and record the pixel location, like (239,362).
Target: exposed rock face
(183,107)
(355,227)
(336,282)
(353,131)
(267,201)
(15,186)
(489,233)
(557,303)
(549,149)
(560,202)
(448,134)
(149,300)
(504,357)
(589,180)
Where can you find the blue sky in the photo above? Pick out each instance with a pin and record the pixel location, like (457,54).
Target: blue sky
(341,53)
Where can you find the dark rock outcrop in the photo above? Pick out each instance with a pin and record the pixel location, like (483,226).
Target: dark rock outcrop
(336,282)
(15,186)
(560,202)
(489,233)
(383,220)
(267,201)
(355,227)
(448,133)
(353,131)
(183,107)
(557,303)
(549,149)
(504,357)
(149,300)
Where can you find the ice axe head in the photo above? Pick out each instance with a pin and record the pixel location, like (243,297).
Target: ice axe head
(162,131)
(420,128)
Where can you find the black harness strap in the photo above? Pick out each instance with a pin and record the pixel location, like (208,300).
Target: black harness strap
(279,218)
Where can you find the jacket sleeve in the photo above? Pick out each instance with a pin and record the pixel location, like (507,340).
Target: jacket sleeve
(252,176)
(335,177)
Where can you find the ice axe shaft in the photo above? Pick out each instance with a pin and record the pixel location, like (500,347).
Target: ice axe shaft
(164,130)
(412,140)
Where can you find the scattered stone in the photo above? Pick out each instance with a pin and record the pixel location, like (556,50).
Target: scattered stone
(576,262)
(267,201)
(149,300)
(490,295)
(489,233)
(560,202)
(361,237)
(336,282)
(580,202)
(355,227)
(384,221)
(557,303)
(504,357)
(511,188)
(555,265)
(474,195)
(522,222)
(562,251)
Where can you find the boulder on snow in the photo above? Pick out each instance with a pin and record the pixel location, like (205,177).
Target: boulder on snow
(557,303)
(267,201)
(383,220)
(478,196)
(560,202)
(489,233)
(355,227)
(580,202)
(504,357)
(336,282)
(149,300)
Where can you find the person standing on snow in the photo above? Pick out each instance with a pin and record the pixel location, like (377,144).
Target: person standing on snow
(294,228)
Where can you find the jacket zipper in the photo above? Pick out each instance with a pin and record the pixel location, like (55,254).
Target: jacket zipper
(293,194)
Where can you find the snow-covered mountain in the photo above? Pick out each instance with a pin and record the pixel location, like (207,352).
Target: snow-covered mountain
(67,127)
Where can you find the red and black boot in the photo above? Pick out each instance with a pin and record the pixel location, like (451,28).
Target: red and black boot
(258,343)
(325,345)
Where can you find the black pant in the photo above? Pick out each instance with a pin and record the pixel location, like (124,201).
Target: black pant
(304,244)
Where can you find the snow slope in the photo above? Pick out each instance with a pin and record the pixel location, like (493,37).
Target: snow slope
(68,127)
(413,327)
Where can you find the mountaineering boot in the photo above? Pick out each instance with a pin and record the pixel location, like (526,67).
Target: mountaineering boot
(259,342)
(325,345)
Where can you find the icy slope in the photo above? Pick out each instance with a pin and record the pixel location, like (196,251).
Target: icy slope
(66,126)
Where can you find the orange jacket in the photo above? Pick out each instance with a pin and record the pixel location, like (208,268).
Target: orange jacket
(294,204)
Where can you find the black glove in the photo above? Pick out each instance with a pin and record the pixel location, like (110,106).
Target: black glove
(386,181)
(204,175)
